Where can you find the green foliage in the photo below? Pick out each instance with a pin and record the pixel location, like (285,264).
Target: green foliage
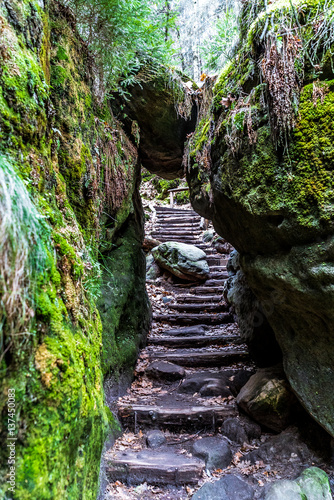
(23,257)
(125,35)
(219,48)
(163,185)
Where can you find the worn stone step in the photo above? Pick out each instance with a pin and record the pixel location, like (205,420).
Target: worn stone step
(177,228)
(173,235)
(194,319)
(207,289)
(153,467)
(213,261)
(195,341)
(187,331)
(202,307)
(174,210)
(178,220)
(218,275)
(136,416)
(179,234)
(215,282)
(189,299)
(201,357)
(218,268)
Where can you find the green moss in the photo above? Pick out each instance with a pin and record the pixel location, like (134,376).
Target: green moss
(65,143)
(201,136)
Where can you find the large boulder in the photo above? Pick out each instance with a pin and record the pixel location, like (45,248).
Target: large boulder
(260,165)
(268,399)
(313,484)
(184,261)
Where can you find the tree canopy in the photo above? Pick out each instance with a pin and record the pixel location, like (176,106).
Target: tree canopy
(124,35)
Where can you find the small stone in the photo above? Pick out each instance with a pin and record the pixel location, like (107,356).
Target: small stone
(233,429)
(206,383)
(280,448)
(187,331)
(230,487)
(155,438)
(238,380)
(215,388)
(214,450)
(252,429)
(163,370)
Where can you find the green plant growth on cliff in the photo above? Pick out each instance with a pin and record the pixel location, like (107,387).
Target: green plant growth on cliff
(23,258)
(294,41)
(125,36)
(67,186)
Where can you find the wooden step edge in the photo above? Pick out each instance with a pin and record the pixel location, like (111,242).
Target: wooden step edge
(204,359)
(195,341)
(133,471)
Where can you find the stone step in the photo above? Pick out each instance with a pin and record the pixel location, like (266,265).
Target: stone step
(201,357)
(218,275)
(178,221)
(178,227)
(178,417)
(215,282)
(176,230)
(202,307)
(180,239)
(177,213)
(174,209)
(194,342)
(207,289)
(218,268)
(194,319)
(173,235)
(213,261)
(190,299)
(153,467)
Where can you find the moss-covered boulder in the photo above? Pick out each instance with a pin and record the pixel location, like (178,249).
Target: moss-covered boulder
(260,164)
(184,261)
(268,399)
(313,484)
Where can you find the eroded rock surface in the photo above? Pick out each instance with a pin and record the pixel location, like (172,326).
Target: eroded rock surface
(265,177)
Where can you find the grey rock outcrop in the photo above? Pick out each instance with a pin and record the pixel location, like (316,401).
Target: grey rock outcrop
(185,261)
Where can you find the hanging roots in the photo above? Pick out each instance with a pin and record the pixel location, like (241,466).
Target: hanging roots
(279,72)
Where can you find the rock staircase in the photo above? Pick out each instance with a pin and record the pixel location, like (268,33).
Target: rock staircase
(190,370)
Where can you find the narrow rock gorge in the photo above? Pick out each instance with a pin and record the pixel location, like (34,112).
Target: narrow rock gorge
(245,319)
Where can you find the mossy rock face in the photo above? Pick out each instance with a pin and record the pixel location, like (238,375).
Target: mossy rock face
(269,192)
(81,172)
